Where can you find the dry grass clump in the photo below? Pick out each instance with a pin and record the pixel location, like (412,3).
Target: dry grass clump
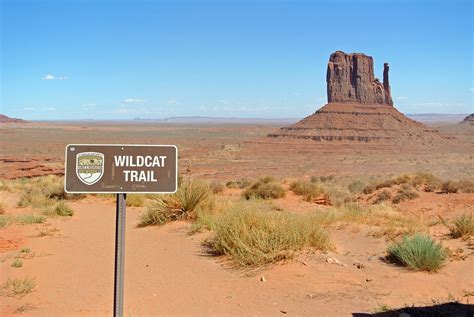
(322,179)
(18,287)
(461,227)
(265,188)
(135,200)
(216,187)
(418,252)
(253,237)
(178,206)
(2,208)
(63,210)
(5,220)
(383,196)
(464,186)
(27,219)
(308,190)
(406,192)
(241,183)
(426,181)
(356,187)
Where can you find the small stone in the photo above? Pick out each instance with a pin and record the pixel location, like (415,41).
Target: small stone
(262,279)
(368,279)
(333,260)
(283,312)
(359,265)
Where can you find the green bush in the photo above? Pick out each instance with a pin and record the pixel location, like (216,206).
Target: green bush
(265,188)
(418,252)
(177,206)
(63,210)
(253,237)
(309,191)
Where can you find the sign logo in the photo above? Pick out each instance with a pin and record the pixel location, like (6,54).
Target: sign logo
(89,167)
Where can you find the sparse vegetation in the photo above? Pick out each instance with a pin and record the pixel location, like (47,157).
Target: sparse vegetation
(2,208)
(406,192)
(216,187)
(383,196)
(178,206)
(356,187)
(461,227)
(418,252)
(135,200)
(265,188)
(5,220)
(308,190)
(18,287)
(241,183)
(252,236)
(17,263)
(29,219)
(62,209)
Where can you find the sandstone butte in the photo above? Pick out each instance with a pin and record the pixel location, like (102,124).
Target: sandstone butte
(359,109)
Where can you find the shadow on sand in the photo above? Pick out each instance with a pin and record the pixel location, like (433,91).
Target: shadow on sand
(442,310)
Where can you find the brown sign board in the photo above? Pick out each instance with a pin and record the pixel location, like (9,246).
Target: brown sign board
(102,168)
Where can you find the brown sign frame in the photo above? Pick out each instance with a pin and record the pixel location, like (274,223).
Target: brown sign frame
(123,189)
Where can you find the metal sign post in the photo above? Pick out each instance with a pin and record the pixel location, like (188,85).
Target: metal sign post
(119,253)
(120,169)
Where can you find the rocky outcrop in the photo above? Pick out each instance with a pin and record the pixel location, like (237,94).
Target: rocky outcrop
(7,119)
(350,78)
(469,119)
(360,109)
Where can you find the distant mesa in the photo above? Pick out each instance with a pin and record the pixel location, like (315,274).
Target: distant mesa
(7,119)
(469,119)
(359,109)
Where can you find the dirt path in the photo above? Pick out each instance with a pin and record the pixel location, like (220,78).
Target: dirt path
(167,273)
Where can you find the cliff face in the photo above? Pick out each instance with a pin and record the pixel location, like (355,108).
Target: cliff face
(350,78)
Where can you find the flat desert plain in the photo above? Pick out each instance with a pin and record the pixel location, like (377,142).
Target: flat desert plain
(57,251)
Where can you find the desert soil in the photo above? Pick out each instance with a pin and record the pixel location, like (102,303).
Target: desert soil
(168,272)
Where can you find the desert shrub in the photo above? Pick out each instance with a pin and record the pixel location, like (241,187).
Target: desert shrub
(27,219)
(17,263)
(252,237)
(18,287)
(322,179)
(450,187)
(356,187)
(405,193)
(337,196)
(428,181)
(135,200)
(5,220)
(418,252)
(369,189)
(5,186)
(63,210)
(462,226)
(177,206)
(466,186)
(241,183)
(309,191)
(382,196)
(216,187)
(265,188)
(34,198)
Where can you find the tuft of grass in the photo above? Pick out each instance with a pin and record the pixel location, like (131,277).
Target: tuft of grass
(241,183)
(18,287)
(135,200)
(27,219)
(253,237)
(5,220)
(63,210)
(322,179)
(25,250)
(17,263)
(265,188)
(427,181)
(461,227)
(383,196)
(418,252)
(216,187)
(406,192)
(450,187)
(308,190)
(356,187)
(178,206)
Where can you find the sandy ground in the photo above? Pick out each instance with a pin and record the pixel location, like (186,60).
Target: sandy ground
(168,272)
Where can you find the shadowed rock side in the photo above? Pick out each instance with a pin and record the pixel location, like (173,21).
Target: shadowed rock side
(468,119)
(360,108)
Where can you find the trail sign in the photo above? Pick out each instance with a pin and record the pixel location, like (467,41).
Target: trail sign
(95,168)
(120,169)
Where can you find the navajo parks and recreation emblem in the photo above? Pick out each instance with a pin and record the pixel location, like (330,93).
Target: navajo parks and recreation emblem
(89,167)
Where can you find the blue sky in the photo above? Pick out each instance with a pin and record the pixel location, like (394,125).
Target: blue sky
(155,59)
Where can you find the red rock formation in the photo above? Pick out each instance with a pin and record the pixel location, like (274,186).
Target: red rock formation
(469,119)
(7,119)
(350,78)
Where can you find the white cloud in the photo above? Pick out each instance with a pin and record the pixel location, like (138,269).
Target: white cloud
(134,100)
(471,89)
(88,106)
(40,109)
(172,102)
(52,77)
(402,98)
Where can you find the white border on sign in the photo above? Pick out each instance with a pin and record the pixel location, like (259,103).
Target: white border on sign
(115,192)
